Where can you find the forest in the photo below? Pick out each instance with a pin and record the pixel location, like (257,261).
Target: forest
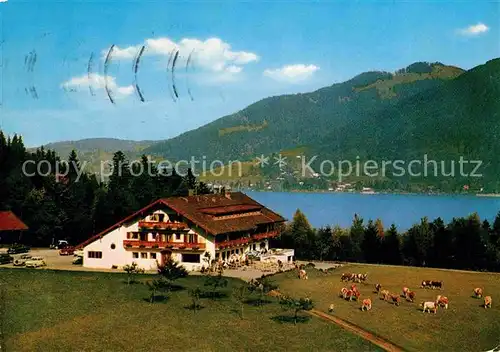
(463,243)
(59,200)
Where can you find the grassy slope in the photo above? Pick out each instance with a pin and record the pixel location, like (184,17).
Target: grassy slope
(78,311)
(465,326)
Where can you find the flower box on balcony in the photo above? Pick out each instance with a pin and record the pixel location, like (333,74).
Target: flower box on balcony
(169,246)
(128,245)
(142,246)
(155,246)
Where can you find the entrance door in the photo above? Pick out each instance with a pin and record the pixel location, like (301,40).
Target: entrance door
(165,256)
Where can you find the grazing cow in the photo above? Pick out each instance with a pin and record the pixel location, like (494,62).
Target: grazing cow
(426,284)
(442,301)
(367,304)
(396,300)
(343,291)
(348,295)
(331,308)
(410,296)
(428,306)
(405,290)
(487,302)
(478,292)
(353,287)
(378,287)
(302,274)
(355,294)
(385,294)
(437,284)
(345,277)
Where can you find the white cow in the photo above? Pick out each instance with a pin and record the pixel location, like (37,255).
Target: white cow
(428,306)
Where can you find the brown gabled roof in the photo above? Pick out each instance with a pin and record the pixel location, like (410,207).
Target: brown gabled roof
(204,210)
(201,210)
(10,222)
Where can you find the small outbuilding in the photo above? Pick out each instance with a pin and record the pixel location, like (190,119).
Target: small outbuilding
(11,227)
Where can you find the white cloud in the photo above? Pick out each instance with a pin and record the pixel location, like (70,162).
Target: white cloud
(474,30)
(97,81)
(3,0)
(213,55)
(292,73)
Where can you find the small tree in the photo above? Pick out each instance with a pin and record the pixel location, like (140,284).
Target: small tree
(172,271)
(240,294)
(131,271)
(296,305)
(216,282)
(262,286)
(195,295)
(157,285)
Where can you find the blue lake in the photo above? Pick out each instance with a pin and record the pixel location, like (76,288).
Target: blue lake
(403,210)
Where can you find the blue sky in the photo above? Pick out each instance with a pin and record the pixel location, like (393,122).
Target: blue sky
(240,52)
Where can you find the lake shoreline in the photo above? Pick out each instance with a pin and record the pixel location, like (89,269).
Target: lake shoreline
(404,210)
(482,195)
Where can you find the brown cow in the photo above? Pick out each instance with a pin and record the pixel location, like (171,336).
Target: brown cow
(378,287)
(437,284)
(367,304)
(345,277)
(478,292)
(405,290)
(487,302)
(395,299)
(385,294)
(410,296)
(426,284)
(303,274)
(442,301)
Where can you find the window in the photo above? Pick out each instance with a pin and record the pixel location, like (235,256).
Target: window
(161,217)
(94,255)
(177,236)
(135,255)
(144,255)
(191,258)
(113,246)
(152,255)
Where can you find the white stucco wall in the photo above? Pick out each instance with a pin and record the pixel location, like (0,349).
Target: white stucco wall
(121,256)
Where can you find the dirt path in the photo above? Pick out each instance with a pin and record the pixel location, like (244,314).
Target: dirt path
(378,341)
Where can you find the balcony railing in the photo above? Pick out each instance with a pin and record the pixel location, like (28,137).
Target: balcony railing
(245,240)
(261,236)
(163,244)
(234,243)
(162,225)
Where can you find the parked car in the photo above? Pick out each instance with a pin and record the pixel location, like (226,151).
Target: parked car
(60,244)
(67,251)
(22,259)
(78,260)
(5,258)
(78,252)
(35,262)
(18,248)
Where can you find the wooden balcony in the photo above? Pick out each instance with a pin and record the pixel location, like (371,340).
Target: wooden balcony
(151,225)
(264,235)
(234,243)
(245,240)
(163,245)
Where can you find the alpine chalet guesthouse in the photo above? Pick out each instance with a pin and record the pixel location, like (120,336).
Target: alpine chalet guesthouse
(184,228)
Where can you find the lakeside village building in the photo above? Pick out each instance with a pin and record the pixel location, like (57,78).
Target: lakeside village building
(184,228)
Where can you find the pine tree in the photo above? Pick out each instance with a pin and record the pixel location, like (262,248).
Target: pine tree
(357,233)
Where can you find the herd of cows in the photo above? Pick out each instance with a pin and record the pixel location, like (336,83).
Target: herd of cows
(353,293)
